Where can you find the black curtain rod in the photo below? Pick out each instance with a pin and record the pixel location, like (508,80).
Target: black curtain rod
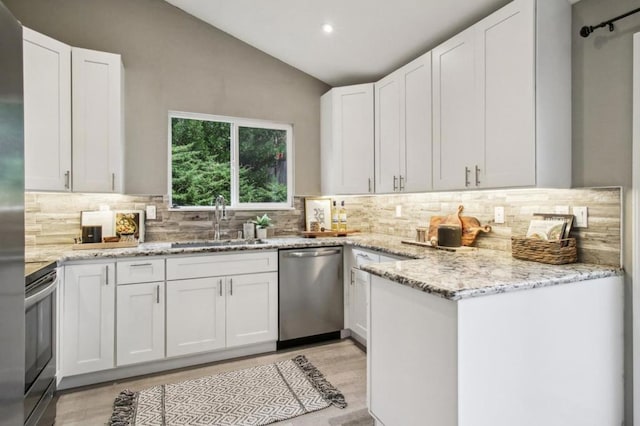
(587,29)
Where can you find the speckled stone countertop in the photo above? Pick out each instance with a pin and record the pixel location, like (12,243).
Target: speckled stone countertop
(451,275)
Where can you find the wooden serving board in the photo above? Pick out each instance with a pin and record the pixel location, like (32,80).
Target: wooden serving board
(94,246)
(428,244)
(314,234)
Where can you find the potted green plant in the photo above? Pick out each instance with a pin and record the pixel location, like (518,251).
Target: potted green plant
(262,223)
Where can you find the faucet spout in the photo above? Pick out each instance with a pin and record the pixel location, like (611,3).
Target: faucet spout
(220,214)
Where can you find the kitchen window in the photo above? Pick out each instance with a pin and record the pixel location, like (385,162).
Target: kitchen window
(246,161)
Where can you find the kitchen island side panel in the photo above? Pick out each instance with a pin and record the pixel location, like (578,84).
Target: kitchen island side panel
(548,356)
(411,356)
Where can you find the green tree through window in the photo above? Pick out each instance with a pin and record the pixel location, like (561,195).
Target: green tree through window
(202,161)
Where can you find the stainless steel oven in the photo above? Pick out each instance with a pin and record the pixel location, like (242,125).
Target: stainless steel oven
(40,338)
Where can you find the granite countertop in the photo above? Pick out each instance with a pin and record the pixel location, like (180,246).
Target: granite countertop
(451,275)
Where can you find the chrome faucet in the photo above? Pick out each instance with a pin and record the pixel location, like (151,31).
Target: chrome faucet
(220,201)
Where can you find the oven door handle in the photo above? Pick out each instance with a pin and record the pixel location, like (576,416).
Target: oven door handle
(35,298)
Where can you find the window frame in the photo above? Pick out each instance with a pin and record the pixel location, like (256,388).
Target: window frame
(235,123)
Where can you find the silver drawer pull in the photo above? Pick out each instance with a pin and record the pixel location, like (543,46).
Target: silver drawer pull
(395,183)
(231,286)
(466,176)
(140,265)
(477,175)
(158,293)
(106,274)
(67,179)
(220,283)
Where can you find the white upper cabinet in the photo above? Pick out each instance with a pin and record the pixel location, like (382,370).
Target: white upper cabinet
(403,128)
(456,143)
(97,121)
(47,112)
(502,102)
(347,143)
(505,70)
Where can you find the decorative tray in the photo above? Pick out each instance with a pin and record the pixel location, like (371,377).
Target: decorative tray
(314,234)
(94,246)
(428,244)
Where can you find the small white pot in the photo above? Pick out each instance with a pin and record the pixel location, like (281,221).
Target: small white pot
(261,233)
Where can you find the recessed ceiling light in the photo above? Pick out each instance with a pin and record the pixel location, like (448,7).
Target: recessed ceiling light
(327,28)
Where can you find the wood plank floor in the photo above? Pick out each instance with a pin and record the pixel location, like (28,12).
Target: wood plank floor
(342,362)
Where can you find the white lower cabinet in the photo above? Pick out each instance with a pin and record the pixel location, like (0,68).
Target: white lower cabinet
(140,319)
(195,316)
(252,308)
(88,318)
(358,305)
(514,358)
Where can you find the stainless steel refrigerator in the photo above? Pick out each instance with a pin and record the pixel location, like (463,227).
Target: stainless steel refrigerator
(12,317)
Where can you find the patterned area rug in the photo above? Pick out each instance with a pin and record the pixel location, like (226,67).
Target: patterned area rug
(254,396)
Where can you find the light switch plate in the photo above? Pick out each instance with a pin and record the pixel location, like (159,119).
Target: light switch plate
(498,214)
(581,214)
(151,212)
(398,211)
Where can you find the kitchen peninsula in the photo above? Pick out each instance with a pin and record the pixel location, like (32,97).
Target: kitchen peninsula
(453,341)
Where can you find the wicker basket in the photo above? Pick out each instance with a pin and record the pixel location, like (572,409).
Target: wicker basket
(554,252)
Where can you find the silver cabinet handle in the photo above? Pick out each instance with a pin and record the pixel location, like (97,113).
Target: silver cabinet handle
(466,176)
(477,175)
(395,183)
(106,274)
(139,265)
(369,184)
(401,183)
(352,279)
(158,293)
(231,286)
(113,182)
(67,179)
(220,282)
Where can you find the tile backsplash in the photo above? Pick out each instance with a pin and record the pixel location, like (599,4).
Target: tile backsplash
(54,218)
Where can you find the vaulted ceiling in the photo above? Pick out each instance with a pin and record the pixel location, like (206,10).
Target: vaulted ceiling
(370,38)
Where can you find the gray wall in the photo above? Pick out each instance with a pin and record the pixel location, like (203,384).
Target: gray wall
(175,62)
(602,123)
(602,80)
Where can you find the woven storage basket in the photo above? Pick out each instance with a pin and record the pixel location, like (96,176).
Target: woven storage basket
(554,252)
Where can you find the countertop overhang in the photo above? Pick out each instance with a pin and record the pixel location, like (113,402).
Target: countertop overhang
(450,275)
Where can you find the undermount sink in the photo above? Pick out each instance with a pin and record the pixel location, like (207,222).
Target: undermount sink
(218,243)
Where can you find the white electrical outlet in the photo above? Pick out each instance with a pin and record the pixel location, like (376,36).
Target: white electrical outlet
(151,212)
(398,211)
(581,214)
(562,209)
(498,215)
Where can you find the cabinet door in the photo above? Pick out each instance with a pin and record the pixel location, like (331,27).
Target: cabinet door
(252,308)
(415,131)
(358,303)
(456,142)
(140,318)
(97,121)
(387,135)
(47,112)
(195,316)
(347,143)
(505,65)
(88,323)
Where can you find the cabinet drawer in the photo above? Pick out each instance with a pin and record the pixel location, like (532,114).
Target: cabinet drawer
(221,264)
(140,271)
(362,257)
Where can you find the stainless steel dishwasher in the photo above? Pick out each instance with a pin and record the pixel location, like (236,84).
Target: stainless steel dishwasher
(311,295)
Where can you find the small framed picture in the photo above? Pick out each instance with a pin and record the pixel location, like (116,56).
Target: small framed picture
(317,213)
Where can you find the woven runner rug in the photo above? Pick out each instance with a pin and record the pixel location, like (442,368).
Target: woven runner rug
(254,396)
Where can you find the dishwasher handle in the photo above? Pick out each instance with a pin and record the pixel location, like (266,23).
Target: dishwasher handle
(315,253)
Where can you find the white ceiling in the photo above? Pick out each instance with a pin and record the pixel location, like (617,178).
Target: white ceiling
(371,37)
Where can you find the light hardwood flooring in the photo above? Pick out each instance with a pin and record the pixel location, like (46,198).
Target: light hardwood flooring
(343,364)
